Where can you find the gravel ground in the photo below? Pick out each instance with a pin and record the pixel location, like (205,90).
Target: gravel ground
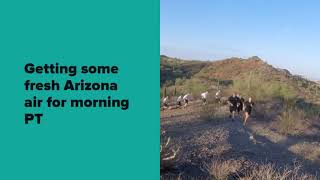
(203,141)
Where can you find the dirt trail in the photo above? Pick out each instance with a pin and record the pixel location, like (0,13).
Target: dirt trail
(204,140)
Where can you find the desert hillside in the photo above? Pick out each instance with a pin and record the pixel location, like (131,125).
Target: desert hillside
(200,141)
(182,76)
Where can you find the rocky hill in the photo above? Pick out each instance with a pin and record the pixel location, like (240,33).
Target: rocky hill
(173,68)
(232,73)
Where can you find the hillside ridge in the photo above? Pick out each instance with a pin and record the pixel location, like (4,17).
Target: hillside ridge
(193,75)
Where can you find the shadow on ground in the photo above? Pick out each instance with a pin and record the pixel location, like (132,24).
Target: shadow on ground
(259,150)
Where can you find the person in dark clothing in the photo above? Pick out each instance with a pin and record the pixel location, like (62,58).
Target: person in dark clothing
(232,101)
(248,105)
(240,103)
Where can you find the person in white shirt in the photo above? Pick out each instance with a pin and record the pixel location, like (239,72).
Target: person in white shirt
(165,101)
(179,100)
(218,96)
(204,97)
(186,99)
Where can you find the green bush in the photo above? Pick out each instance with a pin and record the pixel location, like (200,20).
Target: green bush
(261,90)
(312,111)
(168,83)
(196,86)
(180,81)
(291,119)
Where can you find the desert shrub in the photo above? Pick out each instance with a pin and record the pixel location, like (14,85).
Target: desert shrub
(222,170)
(168,83)
(171,91)
(312,111)
(232,169)
(295,115)
(168,152)
(260,111)
(269,172)
(209,111)
(195,86)
(291,120)
(180,81)
(266,172)
(287,93)
(307,150)
(261,90)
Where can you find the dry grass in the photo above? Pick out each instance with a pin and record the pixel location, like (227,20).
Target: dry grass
(168,152)
(272,136)
(310,151)
(223,170)
(269,172)
(209,111)
(291,121)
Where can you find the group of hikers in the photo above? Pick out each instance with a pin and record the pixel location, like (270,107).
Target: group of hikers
(235,102)
(181,98)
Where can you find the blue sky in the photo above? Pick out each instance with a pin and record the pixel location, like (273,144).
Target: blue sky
(284,33)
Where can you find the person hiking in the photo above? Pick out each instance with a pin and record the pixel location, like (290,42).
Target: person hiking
(179,101)
(165,101)
(248,105)
(232,101)
(186,99)
(218,96)
(240,103)
(204,97)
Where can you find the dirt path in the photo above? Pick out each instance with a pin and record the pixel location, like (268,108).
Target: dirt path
(221,138)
